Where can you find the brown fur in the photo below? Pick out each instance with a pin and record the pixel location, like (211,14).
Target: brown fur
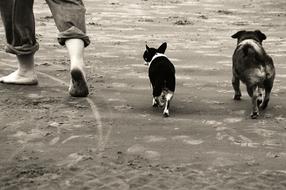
(254,67)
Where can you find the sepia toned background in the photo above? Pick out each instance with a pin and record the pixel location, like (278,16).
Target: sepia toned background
(114,139)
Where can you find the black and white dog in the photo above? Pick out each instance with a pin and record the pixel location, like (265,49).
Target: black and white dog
(161,75)
(254,67)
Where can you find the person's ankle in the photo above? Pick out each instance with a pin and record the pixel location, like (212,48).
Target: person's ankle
(24,69)
(77,64)
(26,63)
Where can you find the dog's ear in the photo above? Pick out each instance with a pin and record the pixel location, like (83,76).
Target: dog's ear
(162,48)
(147,48)
(238,34)
(260,35)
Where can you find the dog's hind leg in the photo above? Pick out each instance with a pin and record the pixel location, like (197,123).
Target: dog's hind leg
(157,90)
(268,88)
(260,97)
(235,85)
(169,97)
(253,93)
(266,100)
(157,102)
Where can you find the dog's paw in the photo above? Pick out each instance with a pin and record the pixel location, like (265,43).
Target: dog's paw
(254,115)
(237,97)
(155,105)
(158,104)
(166,113)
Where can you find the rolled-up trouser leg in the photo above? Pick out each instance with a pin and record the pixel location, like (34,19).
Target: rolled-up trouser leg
(69,16)
(19,23)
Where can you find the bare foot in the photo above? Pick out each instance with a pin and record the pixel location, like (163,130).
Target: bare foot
(17,77)
(78,86)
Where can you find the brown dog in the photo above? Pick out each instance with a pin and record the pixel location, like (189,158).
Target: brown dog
(253,67)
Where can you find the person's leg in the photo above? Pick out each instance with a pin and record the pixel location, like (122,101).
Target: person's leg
(69,16)
(6,7)
(25,74)
(18,20)
(78,85)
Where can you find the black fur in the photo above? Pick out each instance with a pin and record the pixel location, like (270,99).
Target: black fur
(162,75)
(161,71)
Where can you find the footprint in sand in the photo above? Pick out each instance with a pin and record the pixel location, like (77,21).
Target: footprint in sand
(123,107)
(154,139)
(233,120)
(141,150)
(188,140)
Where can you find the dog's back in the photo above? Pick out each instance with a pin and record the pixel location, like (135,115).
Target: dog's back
(251,63)
(162,73)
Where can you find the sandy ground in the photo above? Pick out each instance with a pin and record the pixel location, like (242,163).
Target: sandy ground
(114,139)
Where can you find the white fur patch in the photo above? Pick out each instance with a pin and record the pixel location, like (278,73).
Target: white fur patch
(260,72)
(169,96)
(253,43)
(156,56)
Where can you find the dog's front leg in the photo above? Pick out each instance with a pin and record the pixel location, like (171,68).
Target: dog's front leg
(253,93)
(235,85)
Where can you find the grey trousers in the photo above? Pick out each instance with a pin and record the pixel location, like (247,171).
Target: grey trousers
(19,23)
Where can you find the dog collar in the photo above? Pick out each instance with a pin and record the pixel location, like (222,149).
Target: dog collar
(155,56)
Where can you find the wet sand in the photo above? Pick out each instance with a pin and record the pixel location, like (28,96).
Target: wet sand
(114,139)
